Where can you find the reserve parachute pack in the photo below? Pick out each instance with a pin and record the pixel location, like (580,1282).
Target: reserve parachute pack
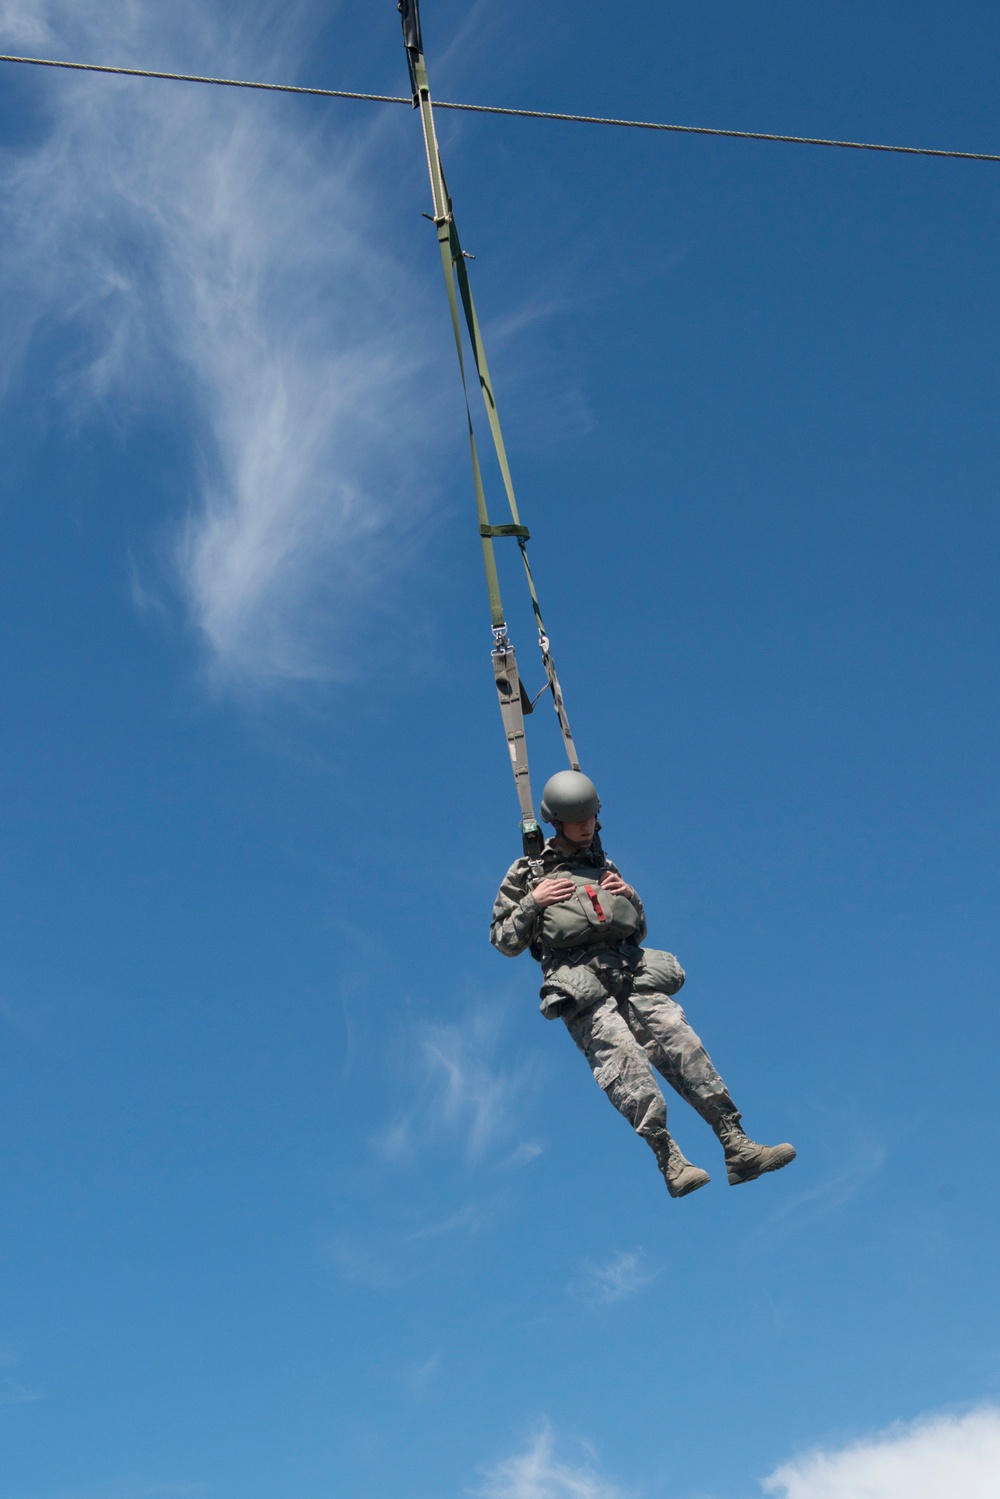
(591,917)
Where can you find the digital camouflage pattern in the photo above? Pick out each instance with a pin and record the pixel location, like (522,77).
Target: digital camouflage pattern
(624,1039)
(615,1001)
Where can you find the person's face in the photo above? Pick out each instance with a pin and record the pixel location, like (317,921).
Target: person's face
(580,832)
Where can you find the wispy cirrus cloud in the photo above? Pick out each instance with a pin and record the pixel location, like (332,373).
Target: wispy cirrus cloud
(944,1456)
(22,22)
(625,1274)
(467,1091)
(210,244)
(938,1457)
(537,1473)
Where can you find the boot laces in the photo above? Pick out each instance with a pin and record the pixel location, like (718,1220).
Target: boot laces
(731,1130)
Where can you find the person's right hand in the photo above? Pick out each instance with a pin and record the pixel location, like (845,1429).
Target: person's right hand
(553,890)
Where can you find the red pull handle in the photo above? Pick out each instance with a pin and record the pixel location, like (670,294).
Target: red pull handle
(595,902)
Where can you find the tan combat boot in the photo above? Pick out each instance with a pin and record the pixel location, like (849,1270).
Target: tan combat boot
(745,1159)
(679,1174)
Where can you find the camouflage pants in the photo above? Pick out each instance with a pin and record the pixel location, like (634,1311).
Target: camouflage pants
(624,1039)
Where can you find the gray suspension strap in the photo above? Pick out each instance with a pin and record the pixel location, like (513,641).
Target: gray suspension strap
(514,701)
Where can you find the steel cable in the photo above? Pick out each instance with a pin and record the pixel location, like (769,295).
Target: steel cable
(497,109)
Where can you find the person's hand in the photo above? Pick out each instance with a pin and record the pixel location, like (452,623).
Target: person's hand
(553,890)
(615,885)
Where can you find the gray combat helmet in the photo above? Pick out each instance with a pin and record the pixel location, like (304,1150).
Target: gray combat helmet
(569,796)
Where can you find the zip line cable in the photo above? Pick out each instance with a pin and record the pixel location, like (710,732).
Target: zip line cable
(497,109)
(514,700)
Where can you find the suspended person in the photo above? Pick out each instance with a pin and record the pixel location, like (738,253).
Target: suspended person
(575,914)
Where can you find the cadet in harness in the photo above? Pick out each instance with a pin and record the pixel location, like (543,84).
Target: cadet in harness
(576,915)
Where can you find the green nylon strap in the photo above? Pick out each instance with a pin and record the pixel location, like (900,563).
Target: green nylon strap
(457,285)
(485,529)
(442,213)
(489,401)
(479,355)
(458,288)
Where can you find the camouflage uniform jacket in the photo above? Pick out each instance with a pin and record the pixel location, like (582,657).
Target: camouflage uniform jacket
(586,976)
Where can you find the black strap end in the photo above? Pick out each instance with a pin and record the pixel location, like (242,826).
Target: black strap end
(532,839)
(521,532)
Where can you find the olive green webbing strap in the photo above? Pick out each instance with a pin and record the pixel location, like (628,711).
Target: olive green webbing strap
(517,529)
(508,683)
(443,224)
(509,688)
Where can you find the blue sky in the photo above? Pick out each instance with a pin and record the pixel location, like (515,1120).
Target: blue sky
(301,1195)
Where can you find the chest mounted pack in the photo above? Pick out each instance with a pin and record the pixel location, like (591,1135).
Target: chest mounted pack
(592,917)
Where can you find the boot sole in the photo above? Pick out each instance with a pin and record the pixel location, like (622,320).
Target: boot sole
(776,1165)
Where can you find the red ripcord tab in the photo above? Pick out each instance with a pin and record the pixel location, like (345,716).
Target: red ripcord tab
(595,902)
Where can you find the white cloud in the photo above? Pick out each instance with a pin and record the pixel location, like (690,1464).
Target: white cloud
(205,250)
(940,1457)
(536,1473)
(22,23)
(521,1155)
(464,1092)
(624,1274)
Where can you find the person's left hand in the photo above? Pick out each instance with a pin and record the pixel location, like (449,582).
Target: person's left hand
(615,885)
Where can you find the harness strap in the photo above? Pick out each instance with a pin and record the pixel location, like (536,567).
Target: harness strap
(510,692)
